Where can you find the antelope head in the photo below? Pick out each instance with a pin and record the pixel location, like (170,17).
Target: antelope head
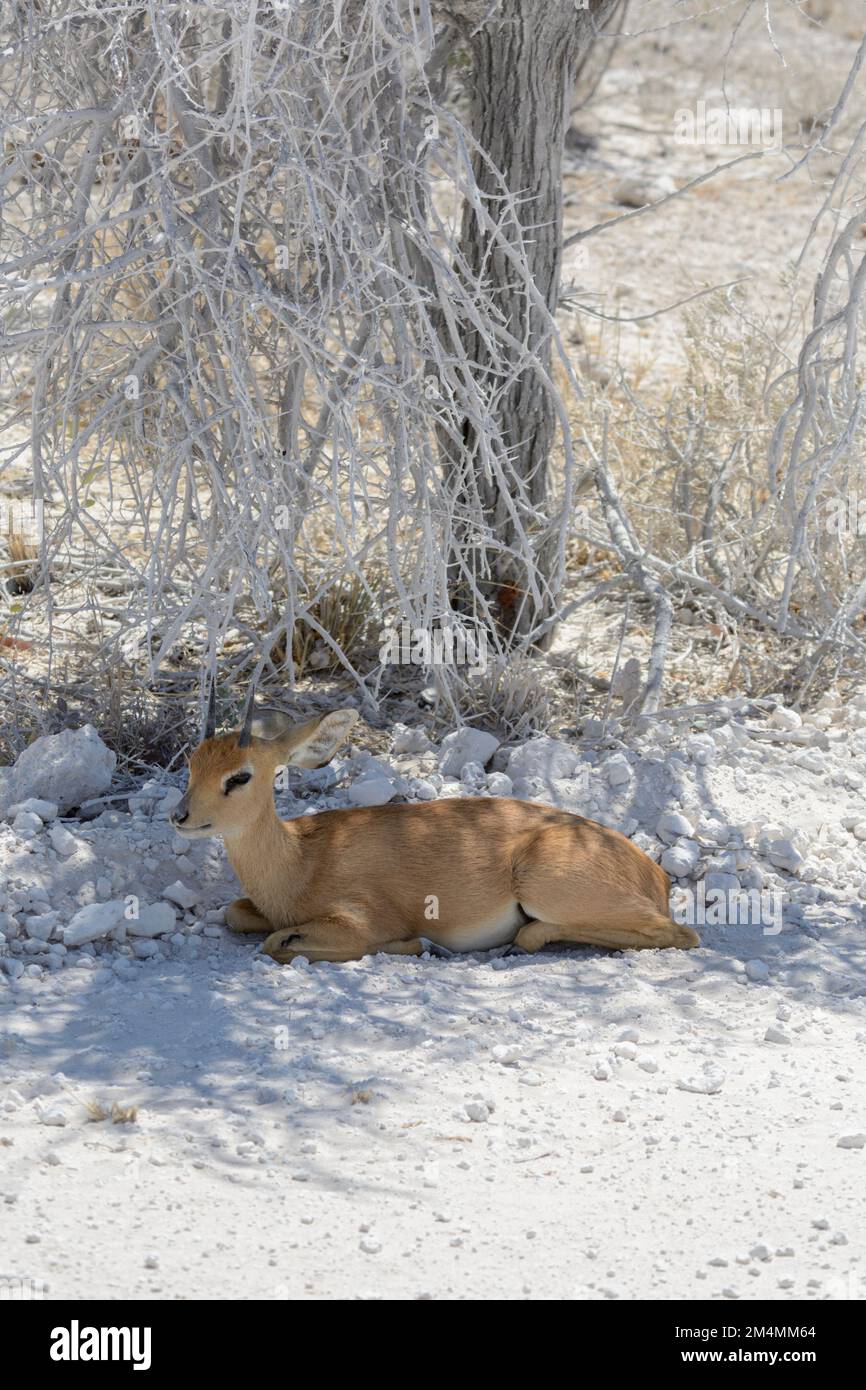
(231,776)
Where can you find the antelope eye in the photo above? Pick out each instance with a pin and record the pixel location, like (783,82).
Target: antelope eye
(239,779)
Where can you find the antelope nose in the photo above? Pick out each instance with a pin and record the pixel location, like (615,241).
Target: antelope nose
(180,813)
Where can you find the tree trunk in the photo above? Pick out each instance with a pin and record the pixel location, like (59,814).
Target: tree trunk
(524,57)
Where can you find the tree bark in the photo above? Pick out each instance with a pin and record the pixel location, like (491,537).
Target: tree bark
(524,57)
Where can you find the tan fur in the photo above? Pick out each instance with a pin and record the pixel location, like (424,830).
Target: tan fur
(464,874)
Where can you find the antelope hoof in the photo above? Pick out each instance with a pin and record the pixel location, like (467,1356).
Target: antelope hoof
(282,946)
(435,949)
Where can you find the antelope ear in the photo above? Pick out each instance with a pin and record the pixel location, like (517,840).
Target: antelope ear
(320,739)
(270,724)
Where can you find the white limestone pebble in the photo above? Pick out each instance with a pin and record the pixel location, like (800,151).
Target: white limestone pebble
(154,919)
(144,948)
(706,1083)
(40,926)
(372,791)
(851,1141)
(679,860)
(27,824)
(776,1035)
(464,746)
(548,759)
(407,740)
(37,806)
(647,1062)
(63,841)
(370,1245)
(506,1054)
(477,1111)
(757,970)
(64,769)
(93,921)
(783,718)
(783,854)
(178,892)
(53,1115)
(672,825)
(617,770)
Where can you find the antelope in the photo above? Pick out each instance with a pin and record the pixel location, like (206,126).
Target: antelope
(463,874)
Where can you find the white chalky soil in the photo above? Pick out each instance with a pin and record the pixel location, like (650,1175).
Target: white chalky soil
(572,1125)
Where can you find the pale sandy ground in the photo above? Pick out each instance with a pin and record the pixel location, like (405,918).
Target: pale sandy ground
(303,1132)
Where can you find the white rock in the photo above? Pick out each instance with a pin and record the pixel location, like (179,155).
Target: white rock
(757,970)
(776,1035)
(466,746)
(477,1110)
(406,740)
(144,948)
(93,921)
(425,791)
(506,1054)
(646,1062)
(679,860)
(173,797)
(370,1245)
(64,769)
(783,854)
(617,770)
(372,791)
(154,919)
(45,810)
(62,841)
(473,774)
(41,925)
(499,784)
(545,758)
(783,718)
(851,1141)
(701,749)
(706,1083)
(179,893)
(27,824)
(53,1115)
(672,826)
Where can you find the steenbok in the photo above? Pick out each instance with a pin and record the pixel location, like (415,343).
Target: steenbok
(463,874)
